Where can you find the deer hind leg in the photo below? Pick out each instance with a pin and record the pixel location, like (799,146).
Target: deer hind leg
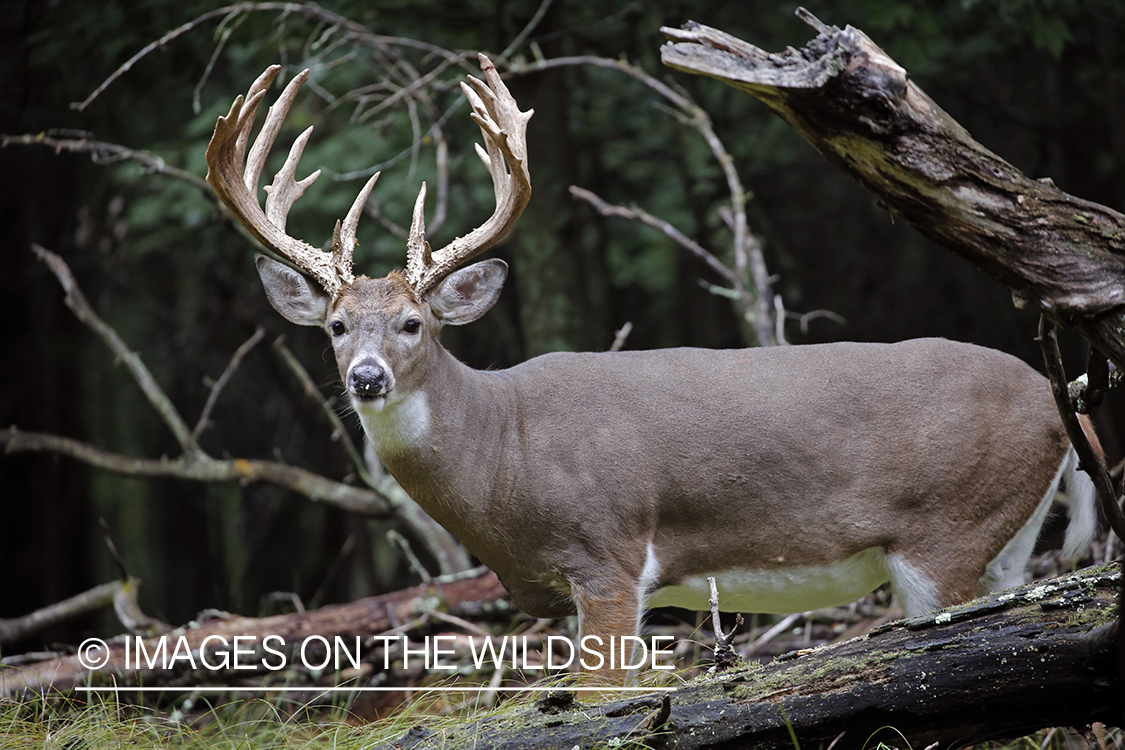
(921,590)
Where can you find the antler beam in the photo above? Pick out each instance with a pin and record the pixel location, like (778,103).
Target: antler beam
(235,177)
(504,128)
(225,157)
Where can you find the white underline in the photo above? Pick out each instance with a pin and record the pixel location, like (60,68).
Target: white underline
(369,689)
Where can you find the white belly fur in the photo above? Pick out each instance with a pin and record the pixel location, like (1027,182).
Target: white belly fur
(781,590)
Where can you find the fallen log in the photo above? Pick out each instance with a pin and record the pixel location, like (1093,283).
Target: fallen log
(995,668)
(203,641)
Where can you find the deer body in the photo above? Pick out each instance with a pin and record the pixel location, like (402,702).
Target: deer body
(797,471)
(602,483)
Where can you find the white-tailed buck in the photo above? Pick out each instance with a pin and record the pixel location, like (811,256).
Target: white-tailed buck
(801,477)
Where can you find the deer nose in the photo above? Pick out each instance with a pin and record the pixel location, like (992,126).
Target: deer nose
(368,380)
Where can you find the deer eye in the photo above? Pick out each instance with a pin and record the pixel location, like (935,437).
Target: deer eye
(337,328)
(412,325)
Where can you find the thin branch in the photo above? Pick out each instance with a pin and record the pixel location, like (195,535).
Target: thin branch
(217,388)
(620,336)
(18,628)
(76,301)
(194,464)
(530,27)
(755,309)
(102,150)
(639,214)
(203,468)
(449,553)
(725,655)
(1089,460)
(340,433)
(356,30)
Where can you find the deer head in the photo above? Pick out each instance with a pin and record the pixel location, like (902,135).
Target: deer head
(431,293)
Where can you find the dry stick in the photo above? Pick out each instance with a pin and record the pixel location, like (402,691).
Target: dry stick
(620,335)
(608,209)
(339,431)
(76,301)
(313,11)
(725,655)
(203,468)
(761,641)
(17,628)
(217,388)
(1088,459)
(103,150)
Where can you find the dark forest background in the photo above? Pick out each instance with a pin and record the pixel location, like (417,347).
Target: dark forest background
(1041,82)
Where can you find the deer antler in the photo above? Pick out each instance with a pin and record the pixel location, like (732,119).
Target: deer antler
(504,128)
(225,156)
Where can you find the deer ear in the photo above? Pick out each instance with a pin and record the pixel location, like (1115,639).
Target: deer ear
(291,293)
(468,293)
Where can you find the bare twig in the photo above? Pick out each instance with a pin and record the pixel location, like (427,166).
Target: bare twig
(100,150)
(202,468)
(407,551)
(1089,460)
(194,463)
(76,301)
(99,597)
(450,555)
(217,388)
(639,214)
(725,655)
(340,432)
(787,622)
(754,305)
(620,335)
(526,32)
(356,30)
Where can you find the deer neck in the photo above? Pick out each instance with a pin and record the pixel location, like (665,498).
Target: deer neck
(443,441)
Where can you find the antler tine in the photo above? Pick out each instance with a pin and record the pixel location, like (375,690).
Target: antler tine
(418,256)
(343,238)
(504,127)
(225,156)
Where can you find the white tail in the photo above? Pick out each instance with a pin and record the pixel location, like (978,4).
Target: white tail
(800,477)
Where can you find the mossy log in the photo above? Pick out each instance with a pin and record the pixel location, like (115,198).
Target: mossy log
(995,668)
(1061,254)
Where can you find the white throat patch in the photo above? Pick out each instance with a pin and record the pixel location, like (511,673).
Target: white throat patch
(394,424)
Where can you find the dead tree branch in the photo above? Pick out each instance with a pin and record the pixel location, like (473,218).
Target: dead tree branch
(99,597)
(859,108)
(363,618)
(194,463)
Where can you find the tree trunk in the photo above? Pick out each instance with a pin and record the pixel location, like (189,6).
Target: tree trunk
(995,668)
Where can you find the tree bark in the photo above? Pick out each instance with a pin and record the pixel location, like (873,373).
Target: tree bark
(995,668)
(859,108)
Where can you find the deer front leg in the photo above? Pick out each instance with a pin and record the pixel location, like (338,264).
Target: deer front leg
(607,612)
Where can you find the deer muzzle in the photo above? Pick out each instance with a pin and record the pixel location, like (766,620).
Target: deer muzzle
(368,380)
